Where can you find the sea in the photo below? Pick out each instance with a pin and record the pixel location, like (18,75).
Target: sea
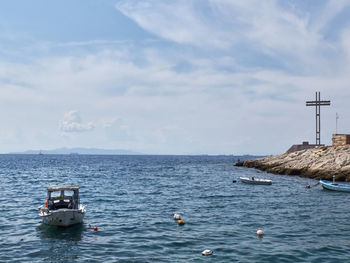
(132,200)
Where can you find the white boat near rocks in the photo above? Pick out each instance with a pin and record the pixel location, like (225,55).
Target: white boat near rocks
(252,180)
(62,206)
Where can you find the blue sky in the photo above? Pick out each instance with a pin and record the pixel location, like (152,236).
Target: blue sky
(172,77)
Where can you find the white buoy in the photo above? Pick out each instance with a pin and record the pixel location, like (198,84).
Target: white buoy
(207,252)
(177,216)
(260,233)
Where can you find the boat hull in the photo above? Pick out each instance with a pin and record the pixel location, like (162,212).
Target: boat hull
(255,181)
(62,217)
(335,186)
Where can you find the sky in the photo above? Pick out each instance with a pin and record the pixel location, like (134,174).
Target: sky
(172,77)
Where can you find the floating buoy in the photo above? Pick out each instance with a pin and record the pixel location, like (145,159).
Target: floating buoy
(177,216)
(180,222)
(260,233)
(234,181)
(95,228)
(207,252)
(308,186)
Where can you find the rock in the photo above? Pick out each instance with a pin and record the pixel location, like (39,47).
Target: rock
(318,163)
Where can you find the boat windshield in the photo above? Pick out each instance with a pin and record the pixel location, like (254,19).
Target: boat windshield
(68,199)
(56,195)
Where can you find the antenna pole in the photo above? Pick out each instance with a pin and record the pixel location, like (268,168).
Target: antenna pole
(336,122)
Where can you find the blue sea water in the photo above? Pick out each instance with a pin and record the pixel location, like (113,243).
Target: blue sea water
(132,200)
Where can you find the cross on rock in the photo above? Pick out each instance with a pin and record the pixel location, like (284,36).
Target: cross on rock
(318,103)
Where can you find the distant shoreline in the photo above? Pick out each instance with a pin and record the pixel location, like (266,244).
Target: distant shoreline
(77,151)
(235,158)
(97,151)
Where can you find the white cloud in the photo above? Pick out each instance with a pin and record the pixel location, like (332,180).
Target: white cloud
(116,130)
(291,37)
(178,21)
(325,16)
(249,67)
(72,123)
(222,24)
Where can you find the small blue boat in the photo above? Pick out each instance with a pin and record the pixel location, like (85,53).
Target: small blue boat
(335,186)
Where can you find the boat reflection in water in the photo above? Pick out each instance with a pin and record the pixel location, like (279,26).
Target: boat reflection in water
(73,233)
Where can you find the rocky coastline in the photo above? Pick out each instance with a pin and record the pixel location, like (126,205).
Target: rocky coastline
(321,162)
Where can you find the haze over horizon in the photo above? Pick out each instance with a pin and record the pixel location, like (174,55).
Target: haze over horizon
(172,77)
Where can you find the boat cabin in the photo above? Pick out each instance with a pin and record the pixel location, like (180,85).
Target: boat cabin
(62,196)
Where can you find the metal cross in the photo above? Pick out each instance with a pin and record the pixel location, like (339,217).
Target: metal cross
(318,103)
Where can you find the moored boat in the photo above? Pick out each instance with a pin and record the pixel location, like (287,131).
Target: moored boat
(335,186)
(62,206)
(253,180)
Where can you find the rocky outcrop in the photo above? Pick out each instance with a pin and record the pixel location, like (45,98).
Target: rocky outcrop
(318,163)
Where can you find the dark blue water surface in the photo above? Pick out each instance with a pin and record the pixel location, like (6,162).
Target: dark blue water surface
(132,200)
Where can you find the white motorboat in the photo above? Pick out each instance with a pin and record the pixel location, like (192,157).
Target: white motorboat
(253,180)
(62,206)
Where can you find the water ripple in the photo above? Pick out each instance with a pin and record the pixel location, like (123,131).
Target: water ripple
(132,200)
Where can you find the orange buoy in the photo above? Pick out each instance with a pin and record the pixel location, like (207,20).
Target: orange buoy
(46,203)
(95,228)
(180,222)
